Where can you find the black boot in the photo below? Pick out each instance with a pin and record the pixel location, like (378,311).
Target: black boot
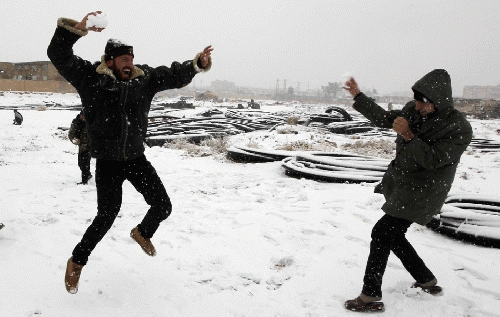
(85,180)
(364,303)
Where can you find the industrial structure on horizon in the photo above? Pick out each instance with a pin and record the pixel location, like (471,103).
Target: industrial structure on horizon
(482,92)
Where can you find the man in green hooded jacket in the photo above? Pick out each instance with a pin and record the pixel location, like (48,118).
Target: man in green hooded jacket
(431,137)
(78,135)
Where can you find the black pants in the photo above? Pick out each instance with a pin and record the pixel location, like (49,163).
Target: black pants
(110,176)
(84,164)
(388,235)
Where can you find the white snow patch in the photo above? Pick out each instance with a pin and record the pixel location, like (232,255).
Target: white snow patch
(243,239)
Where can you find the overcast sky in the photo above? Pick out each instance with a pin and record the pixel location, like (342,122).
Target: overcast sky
(385,45)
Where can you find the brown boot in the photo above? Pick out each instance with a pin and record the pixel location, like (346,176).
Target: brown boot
(72,276)
(364,303)
(145,244)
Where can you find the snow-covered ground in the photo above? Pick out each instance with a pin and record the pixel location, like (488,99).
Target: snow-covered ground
(243,239)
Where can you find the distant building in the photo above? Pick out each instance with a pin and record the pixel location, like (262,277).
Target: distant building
(223,86)
(32,76)
(29,71)
(482,92)
(479,108)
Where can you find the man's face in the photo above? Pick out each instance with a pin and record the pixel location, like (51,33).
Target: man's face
(424,108)
(122,66)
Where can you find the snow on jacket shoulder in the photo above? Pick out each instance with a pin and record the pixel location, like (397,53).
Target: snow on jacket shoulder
(116,112)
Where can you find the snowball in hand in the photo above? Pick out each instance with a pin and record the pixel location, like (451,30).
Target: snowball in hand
(99,21)
(345,77)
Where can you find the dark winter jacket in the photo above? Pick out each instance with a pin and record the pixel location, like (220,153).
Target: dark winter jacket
(78,130)
(419,178)
(18,118)
(116,112)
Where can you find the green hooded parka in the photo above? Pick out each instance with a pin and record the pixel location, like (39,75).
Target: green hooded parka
(78,130)
(419,178)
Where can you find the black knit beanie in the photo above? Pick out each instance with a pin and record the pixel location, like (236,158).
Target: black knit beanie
(115,48)
(417,95)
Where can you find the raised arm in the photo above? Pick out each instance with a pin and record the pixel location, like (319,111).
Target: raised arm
(60,50)
(369,108)
(181,74)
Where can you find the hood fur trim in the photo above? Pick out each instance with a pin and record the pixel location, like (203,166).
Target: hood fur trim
(198,69)
(105,70)
(69,24)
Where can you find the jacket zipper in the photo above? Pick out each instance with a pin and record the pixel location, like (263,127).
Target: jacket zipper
(123,101)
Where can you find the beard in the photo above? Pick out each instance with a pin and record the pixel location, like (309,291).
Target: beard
(123,74)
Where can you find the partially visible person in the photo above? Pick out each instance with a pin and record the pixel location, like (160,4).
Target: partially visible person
(18,118)
(253,105)
(78,135)
(116,97)
(431,137)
